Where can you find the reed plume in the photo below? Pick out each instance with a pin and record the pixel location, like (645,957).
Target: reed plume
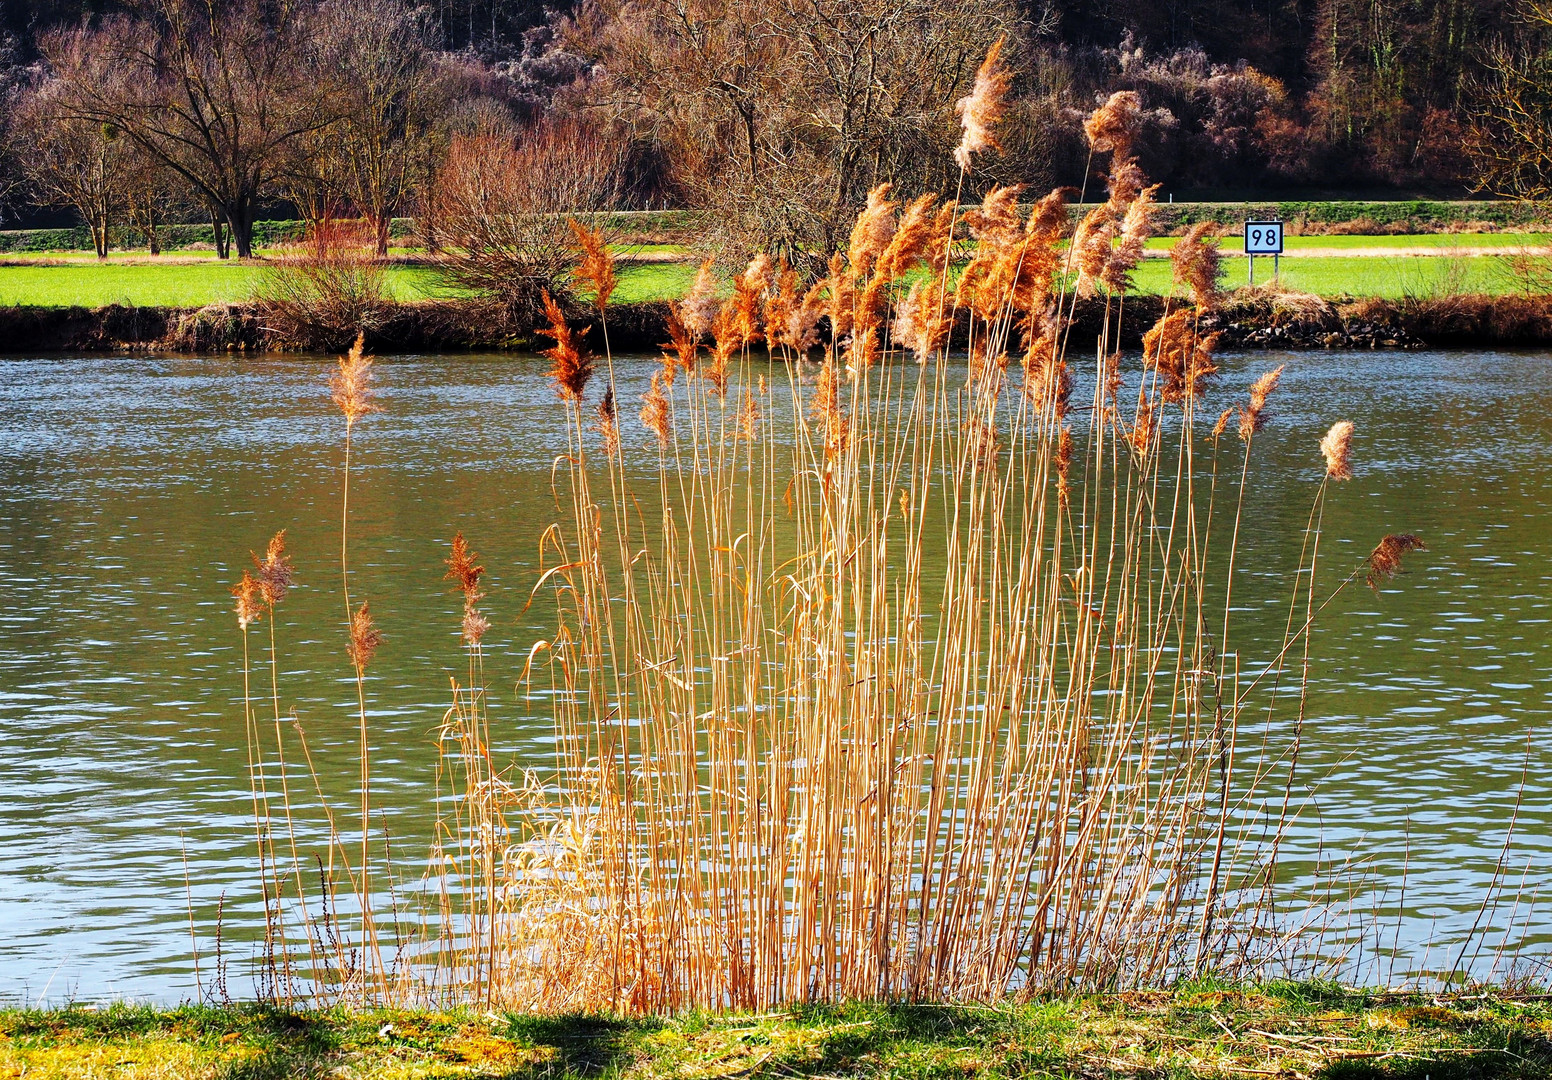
(609,424)
(1136,227)
(597,265)
(1113,126)
(781,302)
(1197,263)
(1253,415)
(802,332)
(274,572)
(1184,357)
(750,291)
(655,411)
(571,365)
(464,568)
(748,417)
(911,240)
(684,345)
(921,321)
(364,638)
(1337,449)
(351,386)
(249,607)
(1384,562)
(1092,246)
(980,111)
(874,229)
(698,310)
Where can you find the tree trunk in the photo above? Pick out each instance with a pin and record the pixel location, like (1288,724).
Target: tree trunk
(218,227)
(381,228)
(99,227)
(241,220)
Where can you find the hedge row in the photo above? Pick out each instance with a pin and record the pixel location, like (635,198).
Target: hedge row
(1410,216)
(173,237)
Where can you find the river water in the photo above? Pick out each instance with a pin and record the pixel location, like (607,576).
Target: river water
(132,490)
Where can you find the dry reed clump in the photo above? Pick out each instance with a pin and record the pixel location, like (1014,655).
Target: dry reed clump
(928,690)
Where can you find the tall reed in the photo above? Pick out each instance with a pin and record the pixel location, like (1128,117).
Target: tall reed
(914,680)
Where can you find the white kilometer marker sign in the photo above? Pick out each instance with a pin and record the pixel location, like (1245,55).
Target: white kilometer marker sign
(1263,238)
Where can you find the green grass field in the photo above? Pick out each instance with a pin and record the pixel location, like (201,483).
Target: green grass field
(161,285)
(193,284)
(1447,241)
(1202,1030)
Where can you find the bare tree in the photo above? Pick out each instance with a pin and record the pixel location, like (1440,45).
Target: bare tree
(73,162)
(501,205)
(379,53)
(214,89)
(1512,126)
(782,114)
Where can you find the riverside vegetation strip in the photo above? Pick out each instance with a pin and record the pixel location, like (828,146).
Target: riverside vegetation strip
(1196,1030)
(1328,266)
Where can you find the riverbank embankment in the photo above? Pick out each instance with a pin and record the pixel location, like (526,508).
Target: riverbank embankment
(1250,318)
(1292,1030)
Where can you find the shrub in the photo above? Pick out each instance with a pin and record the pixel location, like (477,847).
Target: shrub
(327,289)
(498,207)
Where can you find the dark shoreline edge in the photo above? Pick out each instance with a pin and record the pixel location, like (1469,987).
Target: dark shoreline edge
(1248,319)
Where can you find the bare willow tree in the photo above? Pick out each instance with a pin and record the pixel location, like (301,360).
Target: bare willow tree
(214,89)
(501,202)
(1512,128)
(782,114)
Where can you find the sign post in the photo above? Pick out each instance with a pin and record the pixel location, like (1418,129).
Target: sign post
(1263,238)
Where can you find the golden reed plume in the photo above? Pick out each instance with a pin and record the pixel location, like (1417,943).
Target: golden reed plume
(698,309)
(1253,417)
(1198,264)
(1183,356)
(464,568)
(351,386)
(874,229)
(572,366)
(248,608)
(1113,126)
(364,638)
(597,267)
(980,111)
(683,343)
(1384,562)
(274,571)
(1337,447)
(609,424)
(654,410)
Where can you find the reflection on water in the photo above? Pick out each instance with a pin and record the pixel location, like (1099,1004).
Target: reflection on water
(131,491)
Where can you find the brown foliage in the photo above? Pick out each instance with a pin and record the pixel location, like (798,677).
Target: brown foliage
(326,290)
(499,207)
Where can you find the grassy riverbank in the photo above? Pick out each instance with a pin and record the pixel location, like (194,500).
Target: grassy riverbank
(194,284)
(1293,1030)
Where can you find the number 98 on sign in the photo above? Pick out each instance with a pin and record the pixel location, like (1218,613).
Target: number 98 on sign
(1263,238)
